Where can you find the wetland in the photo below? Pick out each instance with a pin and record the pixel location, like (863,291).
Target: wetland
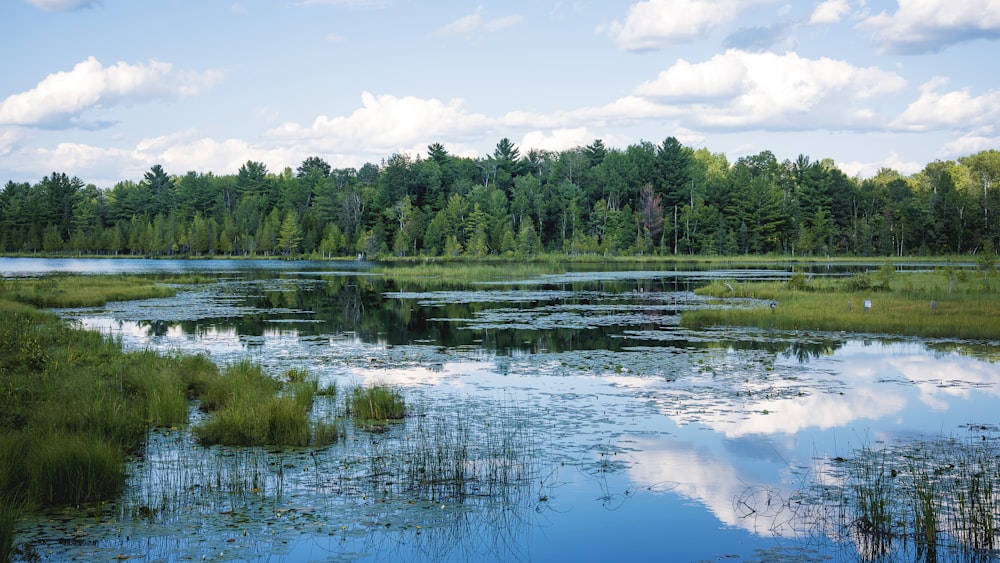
(551,412)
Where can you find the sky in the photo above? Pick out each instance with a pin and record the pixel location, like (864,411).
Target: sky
(105,89)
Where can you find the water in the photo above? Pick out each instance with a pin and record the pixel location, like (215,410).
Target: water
(652,442)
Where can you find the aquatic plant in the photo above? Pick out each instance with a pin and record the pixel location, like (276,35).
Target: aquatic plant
(940,494)
(250,410)
(375,403)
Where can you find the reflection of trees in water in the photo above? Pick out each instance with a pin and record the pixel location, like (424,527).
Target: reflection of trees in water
(805,350)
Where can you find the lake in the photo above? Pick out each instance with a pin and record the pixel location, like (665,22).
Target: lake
(633,438)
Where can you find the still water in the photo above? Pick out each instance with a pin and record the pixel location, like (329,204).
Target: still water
(649,441)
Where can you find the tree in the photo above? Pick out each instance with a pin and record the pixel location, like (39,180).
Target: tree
(650,217)
(673,171)
(160,188)
(290,235)
(60,195)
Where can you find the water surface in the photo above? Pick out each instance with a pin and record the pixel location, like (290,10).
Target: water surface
(652,442)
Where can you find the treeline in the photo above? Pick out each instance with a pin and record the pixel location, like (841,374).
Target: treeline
(665,199)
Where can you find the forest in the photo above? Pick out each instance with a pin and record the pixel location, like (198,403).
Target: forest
(647,199)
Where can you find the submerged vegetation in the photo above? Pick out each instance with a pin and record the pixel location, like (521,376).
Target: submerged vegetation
(947,302)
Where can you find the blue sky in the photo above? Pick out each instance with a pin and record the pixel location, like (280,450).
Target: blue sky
(104,89)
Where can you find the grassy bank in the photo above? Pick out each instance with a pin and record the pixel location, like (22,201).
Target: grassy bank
(74,406)
(945,302)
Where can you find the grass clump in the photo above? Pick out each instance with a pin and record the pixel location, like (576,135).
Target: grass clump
(376,403)
(250,408)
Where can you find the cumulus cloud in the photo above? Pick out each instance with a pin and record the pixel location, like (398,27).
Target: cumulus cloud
(558,139)
(386,123)
(940,109)
(970,143)
(924,26)
(738,89)
(830,11)
(868,169)
(63,96)
(654,24)
(63,5)
(476,23)
(8,137)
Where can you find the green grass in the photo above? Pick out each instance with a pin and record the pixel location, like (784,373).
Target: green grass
(251,408)
(377,403)
(965,304)
(82,291)
(9,510)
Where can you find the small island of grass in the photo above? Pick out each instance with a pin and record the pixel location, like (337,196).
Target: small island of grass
(947,302)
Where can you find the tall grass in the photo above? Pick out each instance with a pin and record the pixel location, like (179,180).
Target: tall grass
(942,495)
(900,304)
(62,290)
(251,408)
(73,405)
(375,403)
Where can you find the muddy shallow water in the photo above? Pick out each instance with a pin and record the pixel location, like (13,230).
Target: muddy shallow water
(646,441)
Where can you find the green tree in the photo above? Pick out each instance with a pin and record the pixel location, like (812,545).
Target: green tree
(289,235)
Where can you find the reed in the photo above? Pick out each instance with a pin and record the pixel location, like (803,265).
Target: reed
(941,494)
(74,405)
(69,470)
(376,403)
(249,410)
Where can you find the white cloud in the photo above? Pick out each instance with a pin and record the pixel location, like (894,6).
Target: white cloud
(965,145)
(475,24)
(65,95)
(387,123)
(738,89)
(869,169)
(557,140)
(937,109)
(63,5)
(922,26)
(178,153)
(8,138)
(830,11)
(654,24)
(335,38)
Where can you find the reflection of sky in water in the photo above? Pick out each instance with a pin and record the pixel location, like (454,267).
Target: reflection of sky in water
(723,431)
(652,445)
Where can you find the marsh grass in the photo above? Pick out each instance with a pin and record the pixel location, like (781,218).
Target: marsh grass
(251,408)
(9,511)
(901,304)
(479,451)
(375,403)
(940,495)
(63,290)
